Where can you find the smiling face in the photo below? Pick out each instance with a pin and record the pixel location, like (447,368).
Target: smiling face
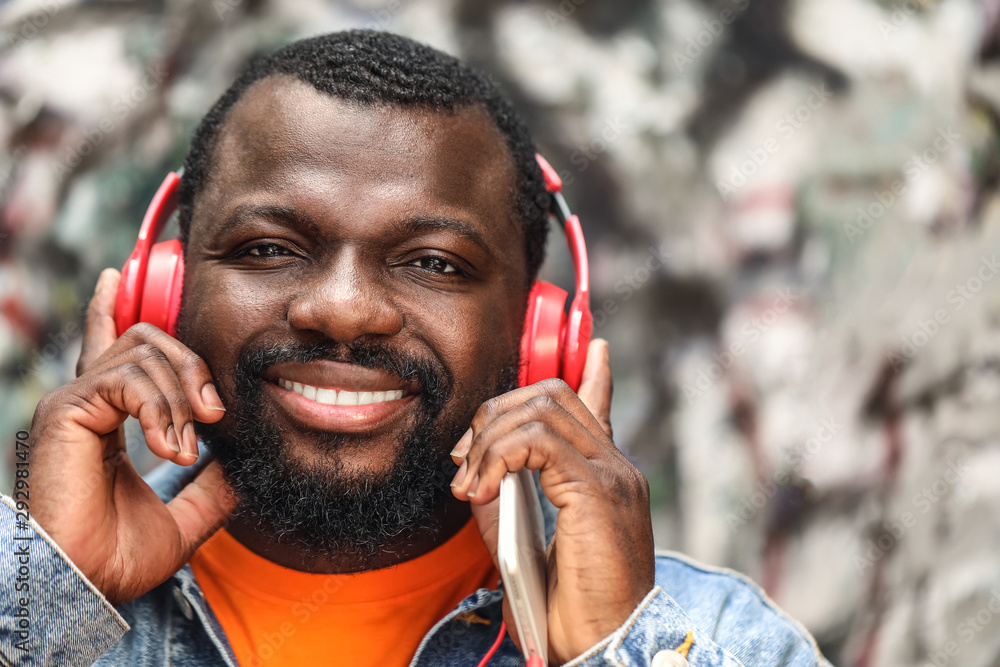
(355,279)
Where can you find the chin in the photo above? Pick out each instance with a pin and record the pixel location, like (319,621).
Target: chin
(352,458)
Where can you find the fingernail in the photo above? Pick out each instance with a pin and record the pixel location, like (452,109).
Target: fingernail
(211,398)
(463,445)
(172,439)
(460,475)
(473,487)
(190,440)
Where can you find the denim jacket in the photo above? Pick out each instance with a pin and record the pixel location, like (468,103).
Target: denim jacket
(52,616)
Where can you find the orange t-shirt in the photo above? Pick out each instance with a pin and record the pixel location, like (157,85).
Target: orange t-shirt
(275,616)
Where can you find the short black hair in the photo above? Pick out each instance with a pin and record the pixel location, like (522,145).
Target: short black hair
(379,68)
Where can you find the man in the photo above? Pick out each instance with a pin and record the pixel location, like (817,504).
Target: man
(361,221)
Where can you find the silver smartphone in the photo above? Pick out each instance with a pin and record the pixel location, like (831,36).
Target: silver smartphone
(521,553)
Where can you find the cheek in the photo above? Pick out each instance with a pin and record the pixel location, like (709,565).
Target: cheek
(477,343)
(221,314)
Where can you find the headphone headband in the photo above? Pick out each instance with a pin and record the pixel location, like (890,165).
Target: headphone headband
(578,324)
(571,226)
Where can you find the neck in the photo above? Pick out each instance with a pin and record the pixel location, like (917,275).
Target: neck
(443,525)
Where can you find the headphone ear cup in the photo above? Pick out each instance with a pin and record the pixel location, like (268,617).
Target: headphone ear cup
(161,293)
(129,296)
(541,341)
(145,293)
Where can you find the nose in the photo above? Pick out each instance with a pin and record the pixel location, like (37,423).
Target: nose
(346,300)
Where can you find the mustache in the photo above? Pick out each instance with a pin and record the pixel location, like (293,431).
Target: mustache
(434,380)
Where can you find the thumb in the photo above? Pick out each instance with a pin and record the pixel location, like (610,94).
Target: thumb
(596,384)
(488,520)
(202,508)
(99,332)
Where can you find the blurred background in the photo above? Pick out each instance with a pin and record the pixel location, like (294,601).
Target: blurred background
(793,217)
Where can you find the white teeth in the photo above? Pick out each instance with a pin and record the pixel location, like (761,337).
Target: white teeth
(342,397)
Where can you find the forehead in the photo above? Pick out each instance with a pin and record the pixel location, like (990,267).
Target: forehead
(287,140)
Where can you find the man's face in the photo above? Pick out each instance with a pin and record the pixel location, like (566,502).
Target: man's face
(348,254)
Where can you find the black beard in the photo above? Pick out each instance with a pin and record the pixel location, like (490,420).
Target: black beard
(321,510)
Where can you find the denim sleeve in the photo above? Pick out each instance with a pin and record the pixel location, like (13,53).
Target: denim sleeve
(712,617)
(50,614)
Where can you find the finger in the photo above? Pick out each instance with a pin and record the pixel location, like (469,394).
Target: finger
(542,408)
(152,360)
(534,445)
(202,508)
(596,386)
(499,405)
(191,370)
(461,449)
(548,410)
(99,331)
(487,518)
(103,401)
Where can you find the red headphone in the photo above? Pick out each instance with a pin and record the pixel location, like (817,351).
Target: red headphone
(553,345)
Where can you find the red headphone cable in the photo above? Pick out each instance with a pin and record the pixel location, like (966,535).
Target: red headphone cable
(534,661)
(496,645)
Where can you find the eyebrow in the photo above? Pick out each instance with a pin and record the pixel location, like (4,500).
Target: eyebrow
(289,216)
(420,223)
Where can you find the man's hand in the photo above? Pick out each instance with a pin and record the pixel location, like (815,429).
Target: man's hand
(85,492)
(600,562)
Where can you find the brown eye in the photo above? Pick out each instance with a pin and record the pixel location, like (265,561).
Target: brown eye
(436,264)
(266,250)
